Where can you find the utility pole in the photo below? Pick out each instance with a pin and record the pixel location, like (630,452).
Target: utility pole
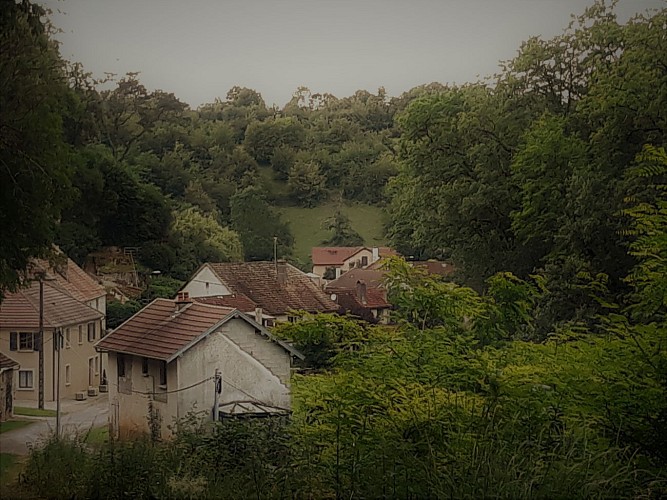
(275,254)
(58,346)
(217,391)
(40,344)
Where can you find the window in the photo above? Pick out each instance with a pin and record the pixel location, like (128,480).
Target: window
(25,379)
(68,339)
(80,334)
(364,261)
(163,373)
(91,331)
(144,367)
(68,375)
(26,341)
(97,365)
(120,363)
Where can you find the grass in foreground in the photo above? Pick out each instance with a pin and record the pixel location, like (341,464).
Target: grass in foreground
(10,425)
(9,465)
(33,412)
(306,225)
(98,435)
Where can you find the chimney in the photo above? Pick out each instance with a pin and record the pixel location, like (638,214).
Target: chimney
(281,272)
(182,299)
(361,292)
(258,314)
(376,254)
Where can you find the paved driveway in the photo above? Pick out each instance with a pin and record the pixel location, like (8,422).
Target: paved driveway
(76,416)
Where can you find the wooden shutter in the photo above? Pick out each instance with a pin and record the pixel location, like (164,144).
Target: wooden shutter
(13,341)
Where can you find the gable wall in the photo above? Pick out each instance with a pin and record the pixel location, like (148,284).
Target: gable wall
(197,286)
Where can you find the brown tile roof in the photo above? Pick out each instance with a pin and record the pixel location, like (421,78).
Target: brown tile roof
(20,310)
(70,277)
(332,256)
(258,281)
(351,303)
(372,278)
(235,301)
(6,362)
(159,330)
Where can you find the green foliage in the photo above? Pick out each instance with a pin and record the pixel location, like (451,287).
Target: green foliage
(199,238)
(320,337)
(263,138)
(344,234)
(161,287)
(306,183)
(118,312)
(35,175)
(257,224)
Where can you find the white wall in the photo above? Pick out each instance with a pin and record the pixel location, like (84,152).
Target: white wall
(252,367)
(205,284)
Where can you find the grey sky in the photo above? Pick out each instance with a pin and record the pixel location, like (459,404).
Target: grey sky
(199,49)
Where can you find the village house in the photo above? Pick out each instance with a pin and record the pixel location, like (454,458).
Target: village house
(64,317)
(269,291)
(7,390)
(360,292)
(164,359)
(332,262)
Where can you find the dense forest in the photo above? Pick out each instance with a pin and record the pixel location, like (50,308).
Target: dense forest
(540,371)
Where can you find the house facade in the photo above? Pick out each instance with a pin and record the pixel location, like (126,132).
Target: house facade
(73,313)
(163,362)
(7,391)
(332,262)
(68,323)
(268,291)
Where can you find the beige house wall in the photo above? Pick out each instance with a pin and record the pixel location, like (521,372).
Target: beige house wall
(77,356)
(252,368)
(354,261)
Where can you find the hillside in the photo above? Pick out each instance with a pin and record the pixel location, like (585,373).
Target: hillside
(306,224)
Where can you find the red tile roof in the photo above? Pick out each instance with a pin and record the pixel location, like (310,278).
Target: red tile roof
(332,256)
(163,329)
(6,362)
(160,330)
(70,277)
(236,301)
(20,310)
(258,281)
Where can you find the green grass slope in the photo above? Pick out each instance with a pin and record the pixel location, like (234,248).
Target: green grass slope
(306,225)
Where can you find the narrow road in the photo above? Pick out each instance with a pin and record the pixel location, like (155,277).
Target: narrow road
(78,417)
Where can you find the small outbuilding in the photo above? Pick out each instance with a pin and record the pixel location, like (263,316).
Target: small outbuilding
(7,367)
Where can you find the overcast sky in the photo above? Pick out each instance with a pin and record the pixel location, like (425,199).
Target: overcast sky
(199,49)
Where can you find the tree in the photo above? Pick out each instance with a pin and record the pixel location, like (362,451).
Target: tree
(34,171)
(199,238)
(263,138)
(257,224)
(344,234)
(306,184)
